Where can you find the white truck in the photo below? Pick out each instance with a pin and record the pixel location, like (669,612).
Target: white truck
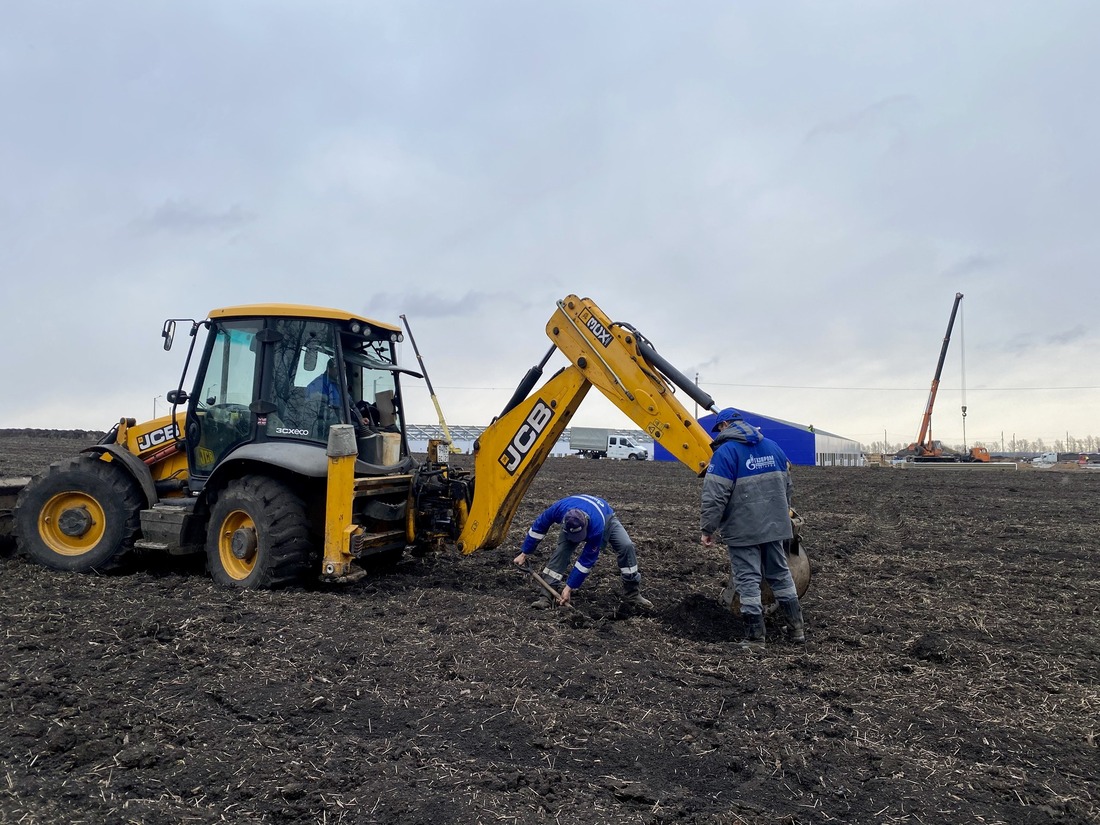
(597,442)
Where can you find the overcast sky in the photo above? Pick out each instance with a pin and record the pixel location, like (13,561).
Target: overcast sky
(783,197)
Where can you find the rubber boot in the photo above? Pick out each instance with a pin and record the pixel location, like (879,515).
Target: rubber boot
(544,602)
(796,628)
(632,594)
(754,632)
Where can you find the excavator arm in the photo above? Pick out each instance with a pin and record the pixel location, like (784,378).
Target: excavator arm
(622,364)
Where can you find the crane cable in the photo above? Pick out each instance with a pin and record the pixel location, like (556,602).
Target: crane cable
(962,358)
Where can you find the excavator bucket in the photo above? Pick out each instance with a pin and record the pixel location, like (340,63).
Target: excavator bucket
(797,561)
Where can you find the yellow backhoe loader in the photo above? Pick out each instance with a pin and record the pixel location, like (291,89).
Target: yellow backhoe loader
(288,455)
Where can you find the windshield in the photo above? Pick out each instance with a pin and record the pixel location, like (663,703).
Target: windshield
(310,391)
(372,381)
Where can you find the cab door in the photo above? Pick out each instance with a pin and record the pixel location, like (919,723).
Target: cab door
(219,415)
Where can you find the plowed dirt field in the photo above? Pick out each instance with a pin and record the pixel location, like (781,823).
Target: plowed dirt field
(952,673)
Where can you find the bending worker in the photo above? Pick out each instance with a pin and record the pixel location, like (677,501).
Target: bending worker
(591,521)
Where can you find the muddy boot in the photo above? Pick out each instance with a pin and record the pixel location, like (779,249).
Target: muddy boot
(544,602)
(754,632)
(632,595)
(792,613)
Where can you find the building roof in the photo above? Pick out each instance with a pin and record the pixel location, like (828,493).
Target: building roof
(464,432)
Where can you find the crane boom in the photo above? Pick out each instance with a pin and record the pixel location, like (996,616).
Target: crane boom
(922,446)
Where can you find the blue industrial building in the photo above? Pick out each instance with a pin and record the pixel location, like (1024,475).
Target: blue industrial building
(803,444)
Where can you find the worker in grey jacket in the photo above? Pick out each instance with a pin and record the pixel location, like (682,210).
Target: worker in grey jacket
(747,500)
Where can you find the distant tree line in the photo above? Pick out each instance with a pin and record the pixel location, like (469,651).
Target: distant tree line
(31,432)
(1069,444)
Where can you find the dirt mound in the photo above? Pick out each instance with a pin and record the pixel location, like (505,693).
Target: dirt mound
(951,674)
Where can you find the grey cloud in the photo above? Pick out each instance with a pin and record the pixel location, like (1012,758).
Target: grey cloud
(182,217)
(423,305)
(1068,336)
(882,112)
(969,265)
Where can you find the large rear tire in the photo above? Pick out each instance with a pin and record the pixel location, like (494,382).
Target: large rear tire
(81,515)
(258,536)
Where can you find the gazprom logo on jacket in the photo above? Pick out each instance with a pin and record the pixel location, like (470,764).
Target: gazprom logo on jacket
(526,436)
(760,462)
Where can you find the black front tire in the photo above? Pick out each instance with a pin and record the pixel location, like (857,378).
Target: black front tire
(258,535)
(81,515)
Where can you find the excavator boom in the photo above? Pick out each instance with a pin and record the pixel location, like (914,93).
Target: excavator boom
(620,363)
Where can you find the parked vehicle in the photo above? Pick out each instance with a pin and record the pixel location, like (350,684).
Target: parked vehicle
(596,442)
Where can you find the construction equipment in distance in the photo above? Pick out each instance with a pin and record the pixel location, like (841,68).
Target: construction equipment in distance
(288,455)
(925,449)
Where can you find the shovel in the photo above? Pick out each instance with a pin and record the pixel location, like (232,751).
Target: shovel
(542,584)
(554,595)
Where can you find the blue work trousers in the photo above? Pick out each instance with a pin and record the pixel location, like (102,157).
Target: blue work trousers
(749,564)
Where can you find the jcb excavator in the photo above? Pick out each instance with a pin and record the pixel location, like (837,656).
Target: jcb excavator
(289,452)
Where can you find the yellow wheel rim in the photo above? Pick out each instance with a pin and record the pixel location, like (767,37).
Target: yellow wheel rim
(237,568)
(72,523)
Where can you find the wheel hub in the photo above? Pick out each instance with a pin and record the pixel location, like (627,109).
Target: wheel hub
(243,543)
(75,521)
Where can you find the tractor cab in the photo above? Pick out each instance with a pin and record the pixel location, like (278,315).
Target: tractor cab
(272,379)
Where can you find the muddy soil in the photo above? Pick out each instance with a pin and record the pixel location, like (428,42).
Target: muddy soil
(952,673)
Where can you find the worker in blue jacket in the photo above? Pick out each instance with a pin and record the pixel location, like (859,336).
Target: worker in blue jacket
(747,499)
(590,521)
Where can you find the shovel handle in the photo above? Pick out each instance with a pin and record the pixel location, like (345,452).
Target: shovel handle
(541,582)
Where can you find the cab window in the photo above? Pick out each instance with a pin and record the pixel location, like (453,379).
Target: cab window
(307,391)
(221,410)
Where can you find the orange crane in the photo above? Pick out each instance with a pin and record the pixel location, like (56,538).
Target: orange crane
(924,448)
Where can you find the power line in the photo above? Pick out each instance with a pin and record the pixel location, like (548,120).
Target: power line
(895,389)
(811,387)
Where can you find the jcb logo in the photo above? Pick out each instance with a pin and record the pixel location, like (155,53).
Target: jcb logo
(526,436)
(156,438)
(603,335)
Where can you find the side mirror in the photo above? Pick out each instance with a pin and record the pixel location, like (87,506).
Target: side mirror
(168,333)
(176,396)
